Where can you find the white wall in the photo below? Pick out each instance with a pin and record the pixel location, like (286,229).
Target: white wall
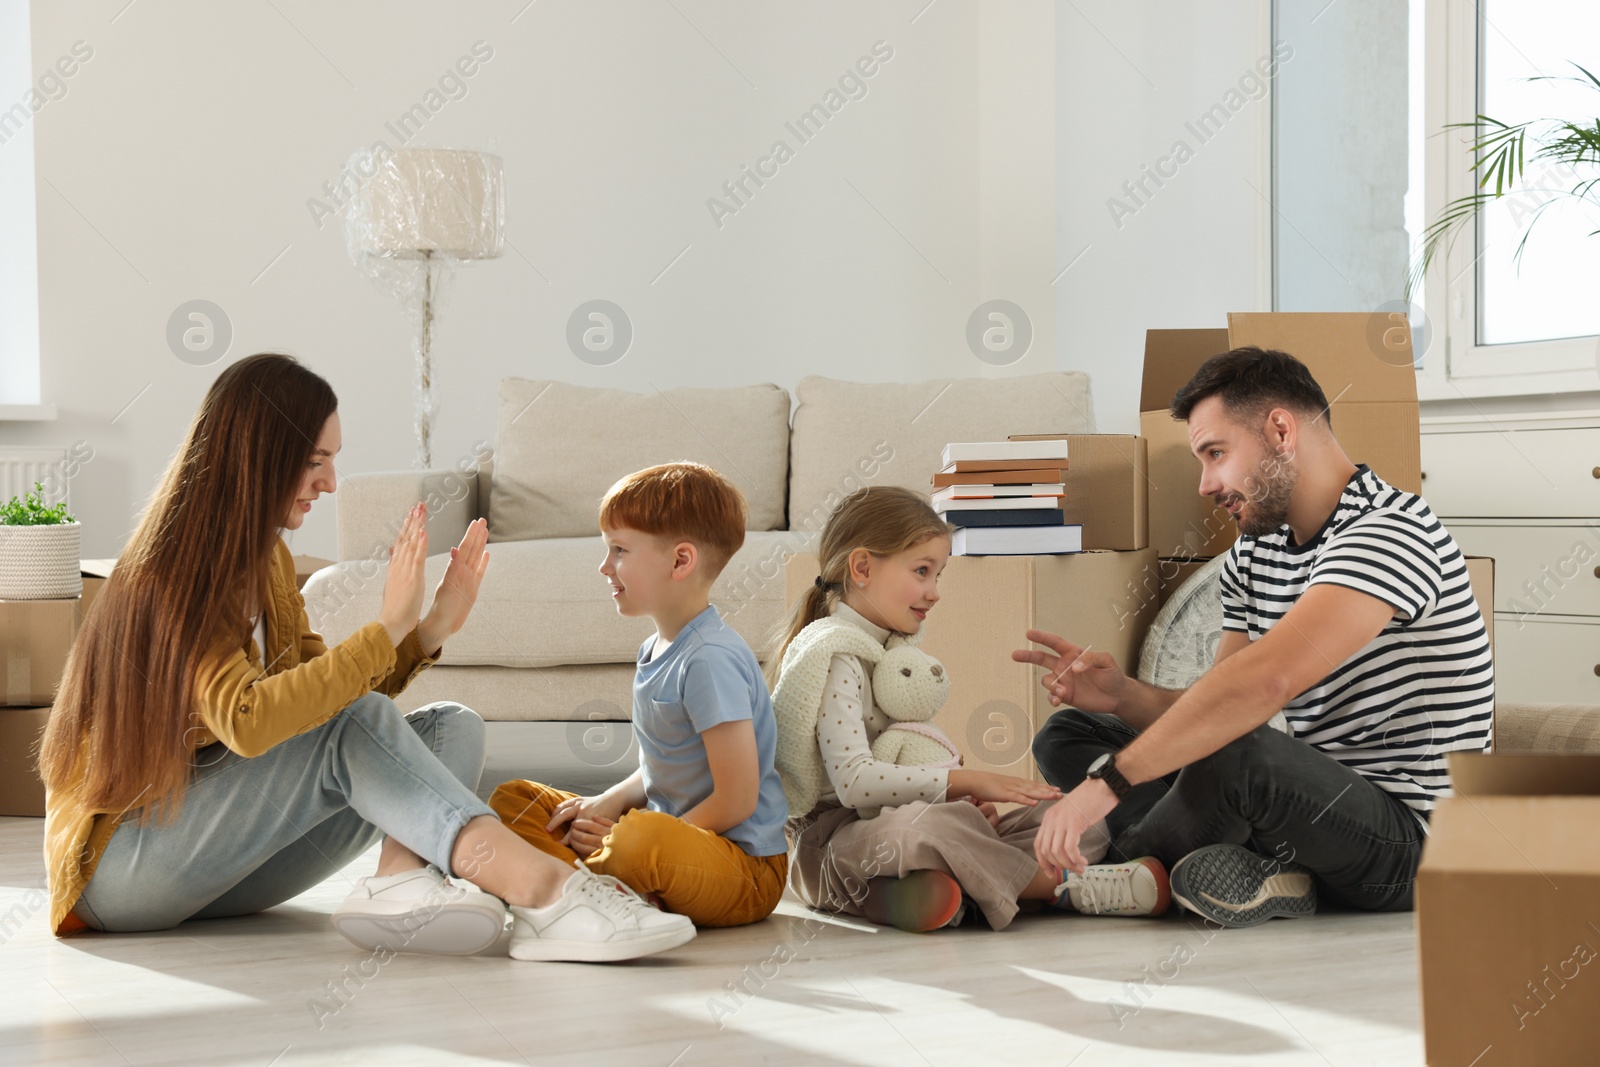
(20,99)
(975,167)
(1131,77)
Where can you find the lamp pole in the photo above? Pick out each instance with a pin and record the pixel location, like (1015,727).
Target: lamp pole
(425,368)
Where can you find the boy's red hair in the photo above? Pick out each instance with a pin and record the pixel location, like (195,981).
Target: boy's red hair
(684,502)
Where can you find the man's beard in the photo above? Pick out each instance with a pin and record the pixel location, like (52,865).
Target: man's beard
(1266,507)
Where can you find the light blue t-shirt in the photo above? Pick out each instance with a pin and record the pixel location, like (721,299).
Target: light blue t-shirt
(706,677)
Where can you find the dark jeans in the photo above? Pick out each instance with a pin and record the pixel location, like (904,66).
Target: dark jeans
(1267,791)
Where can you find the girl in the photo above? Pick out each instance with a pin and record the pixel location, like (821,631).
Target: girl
(195,769)
(939,834)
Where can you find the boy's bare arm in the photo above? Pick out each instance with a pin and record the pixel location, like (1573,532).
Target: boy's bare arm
(630,791)
(735,777)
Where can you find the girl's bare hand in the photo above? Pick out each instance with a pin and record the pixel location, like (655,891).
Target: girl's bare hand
(1000,788)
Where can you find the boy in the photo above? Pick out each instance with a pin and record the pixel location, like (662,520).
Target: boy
(698,828)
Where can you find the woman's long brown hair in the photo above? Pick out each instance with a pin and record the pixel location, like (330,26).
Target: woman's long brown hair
(124,714)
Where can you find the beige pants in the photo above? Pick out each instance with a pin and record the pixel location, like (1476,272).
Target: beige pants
(833,852)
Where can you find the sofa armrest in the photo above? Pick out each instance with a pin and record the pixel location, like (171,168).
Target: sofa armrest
(1547,728)
(372,506)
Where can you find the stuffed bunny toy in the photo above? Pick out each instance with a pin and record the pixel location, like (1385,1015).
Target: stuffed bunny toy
(910,686)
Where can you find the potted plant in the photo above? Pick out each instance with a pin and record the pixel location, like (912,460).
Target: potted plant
(39,549)
(1499,157)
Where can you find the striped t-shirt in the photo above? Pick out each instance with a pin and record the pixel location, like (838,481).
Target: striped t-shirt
(1425,685)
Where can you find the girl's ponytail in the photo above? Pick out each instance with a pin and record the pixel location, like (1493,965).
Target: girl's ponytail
(883,519)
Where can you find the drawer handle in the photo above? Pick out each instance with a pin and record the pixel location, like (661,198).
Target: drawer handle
(1597,472)
(1597,668)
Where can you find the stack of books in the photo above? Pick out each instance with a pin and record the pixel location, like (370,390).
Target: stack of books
(1005,498)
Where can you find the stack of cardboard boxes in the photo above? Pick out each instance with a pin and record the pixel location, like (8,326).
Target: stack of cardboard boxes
(36,636)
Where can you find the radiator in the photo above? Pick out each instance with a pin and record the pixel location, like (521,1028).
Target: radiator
(23,465)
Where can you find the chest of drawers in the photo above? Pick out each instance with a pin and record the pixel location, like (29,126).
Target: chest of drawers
(1527,492)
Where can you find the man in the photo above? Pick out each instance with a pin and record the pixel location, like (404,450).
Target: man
(1345,604)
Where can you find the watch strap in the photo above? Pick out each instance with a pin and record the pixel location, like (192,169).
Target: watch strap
(1108,773)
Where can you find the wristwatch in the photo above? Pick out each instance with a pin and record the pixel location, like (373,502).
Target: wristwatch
(1105,769)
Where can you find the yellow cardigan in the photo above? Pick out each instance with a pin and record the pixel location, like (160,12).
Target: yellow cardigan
(248,708)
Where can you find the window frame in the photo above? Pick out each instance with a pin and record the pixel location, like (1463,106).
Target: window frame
(1456,366)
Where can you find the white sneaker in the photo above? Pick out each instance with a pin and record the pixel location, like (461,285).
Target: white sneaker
(1140,887)
(420,911)
(595,920)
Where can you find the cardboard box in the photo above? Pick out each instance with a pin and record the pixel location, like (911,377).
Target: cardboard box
(35,637)
(1103,600)
(1480,572)
(1508,912)
(1107,478)
(1182,522)
(21,791)
(306,566)
(1361,360)
(94,572)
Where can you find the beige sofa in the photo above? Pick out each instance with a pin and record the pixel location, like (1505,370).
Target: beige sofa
(545,658)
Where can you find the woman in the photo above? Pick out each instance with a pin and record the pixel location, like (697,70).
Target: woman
(196,770)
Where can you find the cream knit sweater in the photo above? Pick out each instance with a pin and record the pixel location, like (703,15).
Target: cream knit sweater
(830,663)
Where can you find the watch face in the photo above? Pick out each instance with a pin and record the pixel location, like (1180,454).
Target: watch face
(1100,764)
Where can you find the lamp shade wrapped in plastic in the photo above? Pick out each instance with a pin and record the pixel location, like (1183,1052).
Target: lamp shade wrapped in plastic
(432,202)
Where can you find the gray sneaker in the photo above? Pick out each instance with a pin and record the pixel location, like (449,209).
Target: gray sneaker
(1233,886)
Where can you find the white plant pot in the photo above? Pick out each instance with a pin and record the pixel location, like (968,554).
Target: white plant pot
(41,562)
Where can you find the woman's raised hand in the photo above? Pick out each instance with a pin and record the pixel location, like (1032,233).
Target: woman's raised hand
(402,584)
(458,589)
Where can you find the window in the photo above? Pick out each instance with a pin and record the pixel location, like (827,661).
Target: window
(19,260)
(1363,161)
(1554,291)
(1503,327)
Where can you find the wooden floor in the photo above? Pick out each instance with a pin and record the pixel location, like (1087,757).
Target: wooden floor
(282,988)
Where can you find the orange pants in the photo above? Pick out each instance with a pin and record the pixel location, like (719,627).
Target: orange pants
(692,870)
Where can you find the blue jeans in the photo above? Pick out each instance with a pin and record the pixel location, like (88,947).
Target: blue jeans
(1267,791)
(255,832)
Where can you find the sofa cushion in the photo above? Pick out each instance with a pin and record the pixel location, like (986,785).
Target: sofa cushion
(850,434)
(544,602)
(559,447)
(1547,728)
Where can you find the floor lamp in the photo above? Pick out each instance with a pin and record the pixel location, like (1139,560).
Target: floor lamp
(421,211)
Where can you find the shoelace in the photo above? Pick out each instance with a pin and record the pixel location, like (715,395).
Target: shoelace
(440,884)
(1115,881)
(614,896)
